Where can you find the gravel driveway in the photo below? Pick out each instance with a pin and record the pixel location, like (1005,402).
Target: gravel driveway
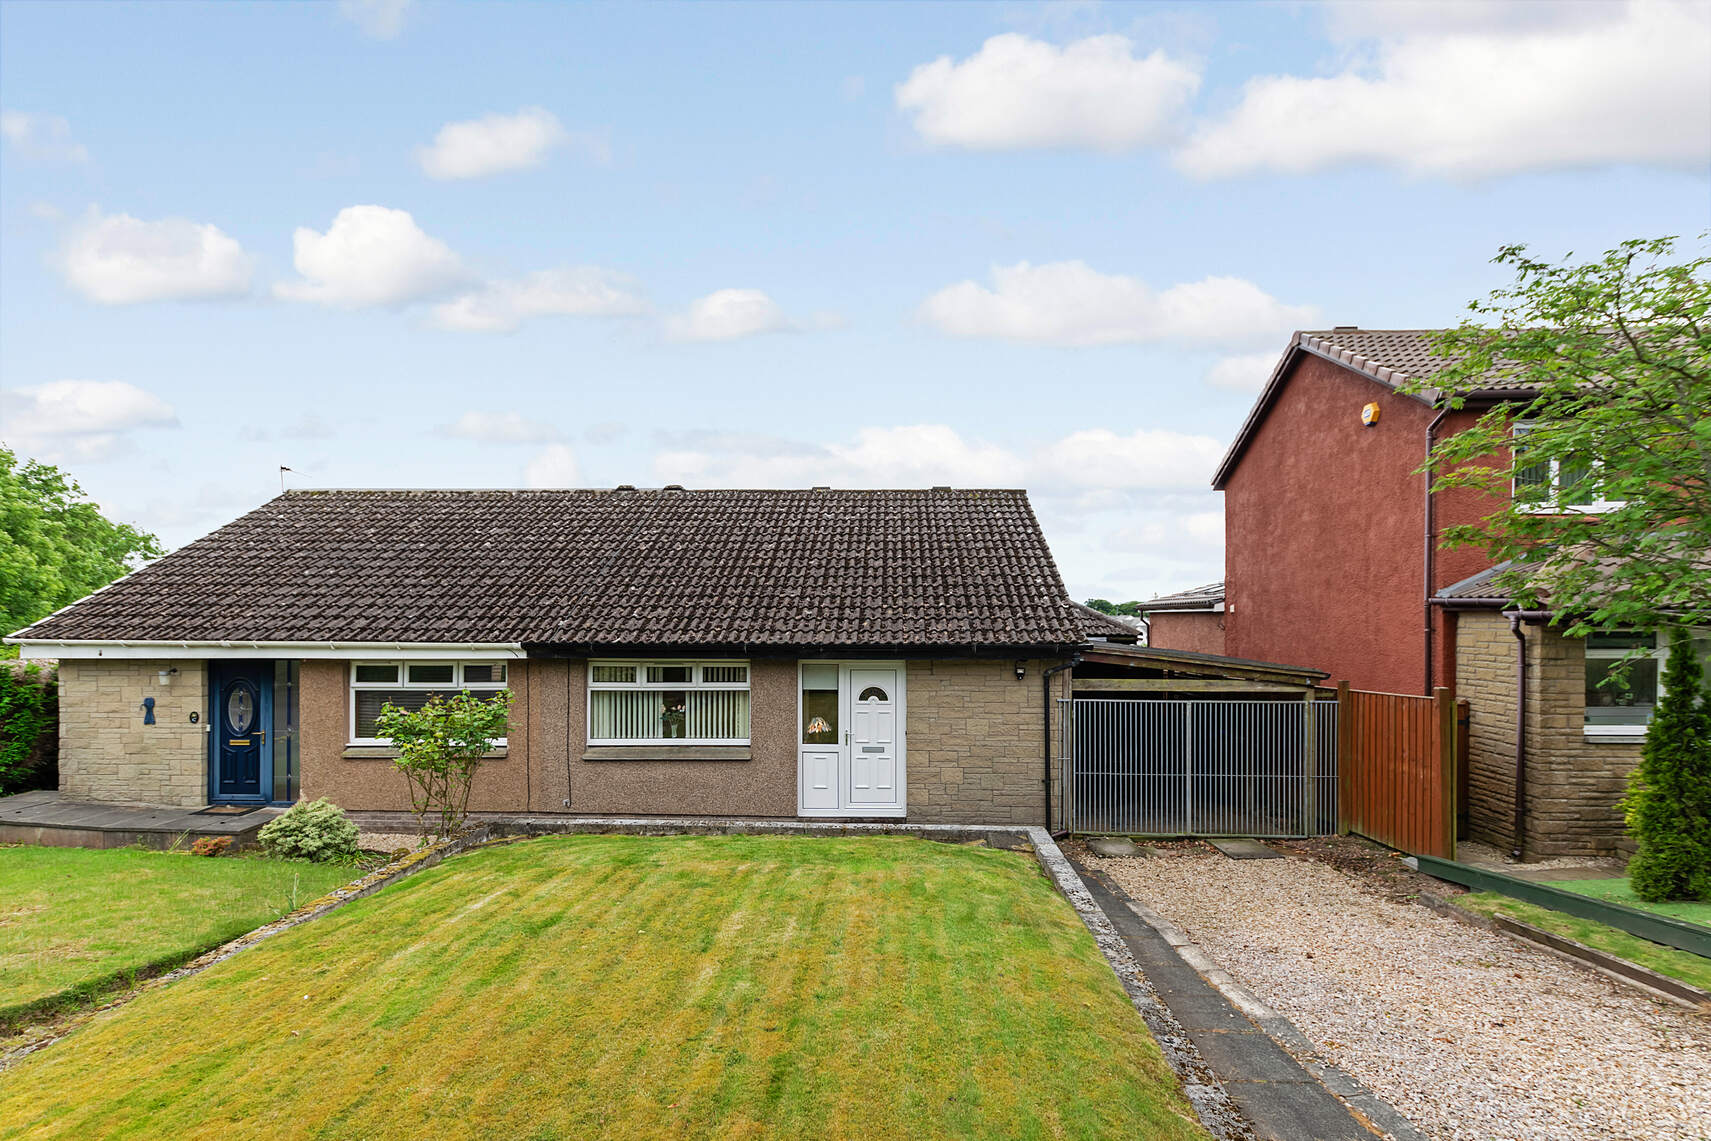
(1469,1034)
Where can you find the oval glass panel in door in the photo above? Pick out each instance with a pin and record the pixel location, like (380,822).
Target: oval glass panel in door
(240,709)
(873,693)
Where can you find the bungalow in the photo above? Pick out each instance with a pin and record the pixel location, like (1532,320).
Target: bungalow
(814,653)
(1187,620)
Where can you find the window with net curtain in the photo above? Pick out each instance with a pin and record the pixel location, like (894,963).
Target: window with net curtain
(690,703)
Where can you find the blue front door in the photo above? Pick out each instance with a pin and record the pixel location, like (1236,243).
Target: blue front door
(241,758)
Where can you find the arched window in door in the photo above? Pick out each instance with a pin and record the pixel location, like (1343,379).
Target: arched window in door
(873,693)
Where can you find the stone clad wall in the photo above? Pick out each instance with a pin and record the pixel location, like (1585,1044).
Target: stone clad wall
(106,753)
(975,742)
(1573,782)
(1485,678)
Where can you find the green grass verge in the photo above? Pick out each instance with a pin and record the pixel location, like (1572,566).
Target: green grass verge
(1621,891)
(1684,965)
(622,986)
(76,923)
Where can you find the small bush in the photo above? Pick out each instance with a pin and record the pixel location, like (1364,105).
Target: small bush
(311,830)
(211,846)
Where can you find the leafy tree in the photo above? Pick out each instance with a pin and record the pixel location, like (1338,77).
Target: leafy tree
(440,746)
(1668,806)
(1618,350)
(1105,606)
(29,715)
(55,545)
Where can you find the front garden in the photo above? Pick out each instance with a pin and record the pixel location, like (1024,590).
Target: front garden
(76,923)
(729,986)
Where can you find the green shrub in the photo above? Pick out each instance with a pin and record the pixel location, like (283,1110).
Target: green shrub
(1668,806)
(440,746)
(311,830)
(29,722)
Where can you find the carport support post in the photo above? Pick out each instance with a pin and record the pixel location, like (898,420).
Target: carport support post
(1309,767)
(1345,758)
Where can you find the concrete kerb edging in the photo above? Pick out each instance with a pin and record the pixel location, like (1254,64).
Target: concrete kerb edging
(367,884)
(1340,1082)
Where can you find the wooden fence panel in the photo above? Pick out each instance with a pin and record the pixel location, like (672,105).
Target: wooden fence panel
(1397,771)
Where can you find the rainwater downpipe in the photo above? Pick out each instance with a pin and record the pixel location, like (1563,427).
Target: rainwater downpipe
(1430,558)
(1046,682)
(1516,618)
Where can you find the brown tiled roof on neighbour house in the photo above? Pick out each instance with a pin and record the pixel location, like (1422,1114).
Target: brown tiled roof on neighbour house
(1199,598)
(597,567)
(1391,357)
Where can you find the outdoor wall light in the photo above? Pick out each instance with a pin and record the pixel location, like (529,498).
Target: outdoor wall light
(165,676)
(1021,670)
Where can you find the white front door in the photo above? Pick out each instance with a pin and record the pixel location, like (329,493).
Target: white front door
(851,754)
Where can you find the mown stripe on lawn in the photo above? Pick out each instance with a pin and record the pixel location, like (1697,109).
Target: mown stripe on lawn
(723,986)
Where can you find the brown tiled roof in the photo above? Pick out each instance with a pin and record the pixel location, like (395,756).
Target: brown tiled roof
(1107,626)
(1199,598)
(667,567)
(1390,357)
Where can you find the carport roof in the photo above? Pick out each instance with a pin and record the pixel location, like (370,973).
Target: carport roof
(1192,664)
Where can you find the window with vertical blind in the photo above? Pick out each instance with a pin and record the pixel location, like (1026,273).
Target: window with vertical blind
(409,685)
(651,703)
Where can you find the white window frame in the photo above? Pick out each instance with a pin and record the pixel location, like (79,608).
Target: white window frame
(1660,655)
(403,682)
(1550,505)
(696,665)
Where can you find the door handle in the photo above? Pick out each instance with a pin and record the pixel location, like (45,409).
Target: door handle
(846,736)
(261,736)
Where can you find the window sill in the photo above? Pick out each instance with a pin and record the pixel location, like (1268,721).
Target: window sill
(666,753)
(1614,736)
(387,753)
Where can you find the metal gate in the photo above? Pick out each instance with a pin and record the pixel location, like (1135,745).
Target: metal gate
(1200,768)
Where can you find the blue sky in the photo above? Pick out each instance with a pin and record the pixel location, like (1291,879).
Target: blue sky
(1052,246)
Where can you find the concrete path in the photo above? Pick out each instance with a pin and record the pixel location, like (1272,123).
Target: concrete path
(47,817)
(1280,1098)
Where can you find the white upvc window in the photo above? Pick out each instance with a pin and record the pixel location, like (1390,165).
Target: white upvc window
(1624,708)
(668,702)
(409,685)
(1556,487)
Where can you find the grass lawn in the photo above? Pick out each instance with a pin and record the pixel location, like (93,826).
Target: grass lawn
(1683,965)
(1620,891)
(624,986)
(75,922)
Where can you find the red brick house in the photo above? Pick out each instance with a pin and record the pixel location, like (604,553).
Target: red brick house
(1187,620)
(1332,561)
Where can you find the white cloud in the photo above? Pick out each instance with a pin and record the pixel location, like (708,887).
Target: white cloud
(41,138)
(1474,92)
(381,19)
(919,455)
(553,466)
(500,428)
(580,291)
(1070,303)
(79,419)
(116,259)
(1021,92)
(1090,488)
(308,427)
(370,255)
(728,314)
(494,144)
(1247,372)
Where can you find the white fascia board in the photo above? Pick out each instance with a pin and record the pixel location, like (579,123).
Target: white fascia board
(308,651)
